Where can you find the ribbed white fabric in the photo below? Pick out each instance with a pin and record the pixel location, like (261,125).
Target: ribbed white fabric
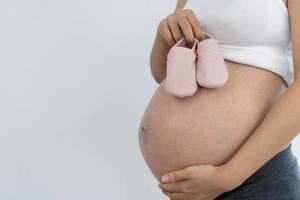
(253,32)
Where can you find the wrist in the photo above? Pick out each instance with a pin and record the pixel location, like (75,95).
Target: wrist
(230,177)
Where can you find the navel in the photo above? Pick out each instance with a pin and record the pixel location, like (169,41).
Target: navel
(145,127)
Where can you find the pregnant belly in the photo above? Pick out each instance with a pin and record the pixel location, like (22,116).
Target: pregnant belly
(210,126)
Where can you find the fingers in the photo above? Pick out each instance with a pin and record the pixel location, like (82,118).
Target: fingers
(172,187)
(175,196)
(179,175)
(183,189)
(180,186)
(191,17)
(165,32)
(181,23)
(175,28)
(186,29)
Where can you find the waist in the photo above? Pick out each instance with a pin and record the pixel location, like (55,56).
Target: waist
(270,177)
(275,166)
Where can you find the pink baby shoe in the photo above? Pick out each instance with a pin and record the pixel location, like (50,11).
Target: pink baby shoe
(181,69)
(211,70)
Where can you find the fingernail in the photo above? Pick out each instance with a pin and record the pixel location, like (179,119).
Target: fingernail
(165,178)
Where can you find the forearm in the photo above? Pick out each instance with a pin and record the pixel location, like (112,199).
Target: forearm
(158,58)
(276,131)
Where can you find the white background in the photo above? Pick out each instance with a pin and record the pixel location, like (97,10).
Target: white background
(74,83)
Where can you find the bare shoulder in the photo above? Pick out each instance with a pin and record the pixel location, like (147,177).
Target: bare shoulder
(180,4)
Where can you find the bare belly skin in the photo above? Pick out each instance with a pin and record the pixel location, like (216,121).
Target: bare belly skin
(209,127)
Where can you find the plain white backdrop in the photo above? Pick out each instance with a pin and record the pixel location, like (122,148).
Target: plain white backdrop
(74,82)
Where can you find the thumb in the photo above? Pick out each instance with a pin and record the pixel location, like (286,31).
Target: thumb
(176,176)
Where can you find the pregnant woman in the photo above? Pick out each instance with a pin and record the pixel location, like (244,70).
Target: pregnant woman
(232,142)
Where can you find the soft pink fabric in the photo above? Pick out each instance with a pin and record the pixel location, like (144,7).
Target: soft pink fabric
(181,69)
(211,70)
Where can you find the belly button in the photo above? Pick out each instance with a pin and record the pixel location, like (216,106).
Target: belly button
(145,128)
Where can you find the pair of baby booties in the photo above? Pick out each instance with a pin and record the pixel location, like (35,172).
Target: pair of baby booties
(202,64)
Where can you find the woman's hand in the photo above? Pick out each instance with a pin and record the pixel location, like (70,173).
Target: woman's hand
(202,182)
(180,24)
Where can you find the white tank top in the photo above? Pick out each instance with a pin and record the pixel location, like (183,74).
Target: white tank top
(253,32)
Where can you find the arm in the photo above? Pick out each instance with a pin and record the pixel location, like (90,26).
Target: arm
(158,58)
(280,125)
(160,50)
